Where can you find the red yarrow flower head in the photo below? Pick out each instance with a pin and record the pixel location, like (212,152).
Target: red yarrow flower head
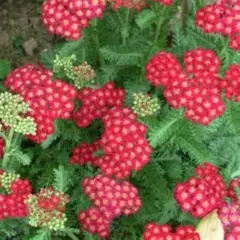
(93,221)
(123,145)
(46,209)
(229,214)
(67,17)
(233,236)
(197,89)
(95,103)
(165,2)
(164,232)
(110,199)
(233,187)
(21,187)
(201,194)
(231,83)
(13,205)
(84,153)
(51,200)
(48,99)
(206,169)
(223,18)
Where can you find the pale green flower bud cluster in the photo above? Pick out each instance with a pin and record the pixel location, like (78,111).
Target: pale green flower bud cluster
(145,105)
(56,223)
(35,214)
(84,75)
(65,65)
(7,179)
(53,219)
(12,109)
(26,126)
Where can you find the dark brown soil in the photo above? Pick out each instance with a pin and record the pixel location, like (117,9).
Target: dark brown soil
(22,36)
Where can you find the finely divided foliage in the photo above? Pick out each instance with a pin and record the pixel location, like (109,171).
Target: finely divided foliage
(112,123)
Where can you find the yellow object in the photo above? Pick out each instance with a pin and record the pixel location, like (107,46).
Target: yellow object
(210,227)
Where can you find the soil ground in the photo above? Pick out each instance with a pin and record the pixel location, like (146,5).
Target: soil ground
(22,36)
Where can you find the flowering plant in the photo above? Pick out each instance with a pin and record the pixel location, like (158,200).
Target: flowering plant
(107,129)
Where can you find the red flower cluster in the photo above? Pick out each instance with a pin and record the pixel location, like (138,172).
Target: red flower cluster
(230,218)
(95,222)
(2,147)
(50,200)
(231,83)
(123,142)
(201,194)
(229,214)
(84,153)
(165,2)
(123,146)
(197,89)
(234,234)
(110,199)
(46,209)
(163,69)
(48,99)
(235,183)
(67,17)
(221,17)
(164,232)
(13,205)
(97,102)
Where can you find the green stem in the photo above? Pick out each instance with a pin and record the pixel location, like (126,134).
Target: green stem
(83,51)
(10,135)
(2,135)
(7,151)
(101,60)
(142,74)
(125,33)
(200,3)
(157,33)
(159,24)
(17,139)
(97,43)
(185,9)
(120,19)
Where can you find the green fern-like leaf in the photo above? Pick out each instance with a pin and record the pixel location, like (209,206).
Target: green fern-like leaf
(21,157)
(180,42)
(195,149)
(62,179)
(165,129)
(107,73)
(200,39)
(232,117)
(41,235)
(146,18)
(70,233)
(5,68)
(120,57)
(71,47)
